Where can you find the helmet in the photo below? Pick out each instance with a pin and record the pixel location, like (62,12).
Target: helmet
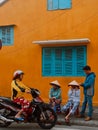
(17,73)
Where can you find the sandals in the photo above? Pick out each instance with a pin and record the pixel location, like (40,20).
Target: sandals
(67,121)
(19,118)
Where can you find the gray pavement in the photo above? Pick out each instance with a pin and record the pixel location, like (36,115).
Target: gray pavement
(74,121)
(81,121)
(31,126)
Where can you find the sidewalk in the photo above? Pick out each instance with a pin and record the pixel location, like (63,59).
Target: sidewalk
(80,121)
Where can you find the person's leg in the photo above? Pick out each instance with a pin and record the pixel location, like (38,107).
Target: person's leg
(58,105)
(18,115)
(54,106)
(21,102)
(73,110)
(51,103)
(90,107)
(84,105)
(66,106)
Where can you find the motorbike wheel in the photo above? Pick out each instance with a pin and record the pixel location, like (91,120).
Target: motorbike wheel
(4,113)
(47,119)
(4,124)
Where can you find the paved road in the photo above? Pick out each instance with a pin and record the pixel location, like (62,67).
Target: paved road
(27,126)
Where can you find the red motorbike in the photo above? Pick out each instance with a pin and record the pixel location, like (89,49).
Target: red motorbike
(38,111)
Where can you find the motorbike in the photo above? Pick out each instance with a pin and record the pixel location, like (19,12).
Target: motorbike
(38,111)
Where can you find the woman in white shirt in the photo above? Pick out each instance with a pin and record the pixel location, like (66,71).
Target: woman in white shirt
(73,99)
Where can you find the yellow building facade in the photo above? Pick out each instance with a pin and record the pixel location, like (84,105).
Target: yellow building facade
(42,33)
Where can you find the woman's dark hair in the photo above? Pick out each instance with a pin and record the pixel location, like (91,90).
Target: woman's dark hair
(86,67)
(17,76)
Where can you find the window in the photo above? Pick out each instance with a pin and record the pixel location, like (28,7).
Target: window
(58,4)
(6,35)
(63,61)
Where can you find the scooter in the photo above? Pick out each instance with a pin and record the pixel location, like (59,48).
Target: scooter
(38,111)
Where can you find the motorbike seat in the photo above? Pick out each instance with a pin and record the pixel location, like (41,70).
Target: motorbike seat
(9,101)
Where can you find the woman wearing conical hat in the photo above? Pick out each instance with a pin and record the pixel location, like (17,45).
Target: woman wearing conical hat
(55,95)
(73,99)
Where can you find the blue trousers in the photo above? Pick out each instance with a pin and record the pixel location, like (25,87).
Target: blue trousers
(87,100)
(70,105)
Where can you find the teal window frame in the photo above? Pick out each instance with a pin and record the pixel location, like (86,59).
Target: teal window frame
(59,4)
(7,35)
(64,61)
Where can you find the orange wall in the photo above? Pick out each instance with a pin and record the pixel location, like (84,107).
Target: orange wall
(33,22)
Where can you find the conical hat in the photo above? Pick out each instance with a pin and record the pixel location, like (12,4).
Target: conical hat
(55,83)
(75,83)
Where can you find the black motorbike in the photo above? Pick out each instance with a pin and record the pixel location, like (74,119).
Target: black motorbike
(38,111)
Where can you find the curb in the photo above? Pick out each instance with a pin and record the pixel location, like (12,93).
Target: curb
(77,121)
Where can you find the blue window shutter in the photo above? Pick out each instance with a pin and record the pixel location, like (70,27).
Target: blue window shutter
(58,65)
(12,35)
(50,4)
(68,61)
(47,62)
(80,59)
(7,35)
(64,61)
(3,35)
(0,34)
(55,4)
(64,4)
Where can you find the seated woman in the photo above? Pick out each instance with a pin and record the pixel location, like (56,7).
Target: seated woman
(55,96)
(73,99)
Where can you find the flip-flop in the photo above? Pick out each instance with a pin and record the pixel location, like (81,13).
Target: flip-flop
(67,121)
(19,118)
